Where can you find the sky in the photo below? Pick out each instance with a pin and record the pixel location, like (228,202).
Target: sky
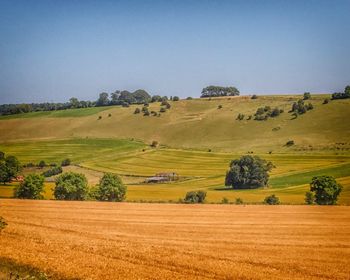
(51,51)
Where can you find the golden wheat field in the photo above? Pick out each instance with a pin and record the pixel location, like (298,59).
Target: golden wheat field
(92,240)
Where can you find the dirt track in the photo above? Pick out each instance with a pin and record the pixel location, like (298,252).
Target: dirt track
(91,240)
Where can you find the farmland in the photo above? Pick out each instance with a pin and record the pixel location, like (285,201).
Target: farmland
(91,240)
(197,140)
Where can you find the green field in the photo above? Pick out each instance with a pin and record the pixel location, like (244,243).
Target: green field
(197,141)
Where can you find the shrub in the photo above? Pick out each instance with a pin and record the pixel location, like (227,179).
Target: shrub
(290,143)
(99,117)
(53,171)
(71,186)
(109,115)
(65,162)
(176,98)
(195,197)
(137,111)
(2,155)
(225,200)
(248,172)
(111,188)
(239,201)
(154,144)
(189,98)
(300,107)
(162,110)
(342,95)
(240,117)
(326,190)
(220,106)
(326,101)
(42,164)
(3,223)
(31,187)
(309,198)
(254,96)
(219,91)
(249,117)
(146,113)
(307,95)
(272,200)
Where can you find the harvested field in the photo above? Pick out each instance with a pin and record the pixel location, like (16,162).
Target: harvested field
(91,240)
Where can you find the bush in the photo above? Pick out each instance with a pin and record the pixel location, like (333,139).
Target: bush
(326,190)
(189,98)
(195,197)
(53,171)
(146,113)
(239,201)
(342,95)
(71,186)
(65,162)
(109,115)
(326,101)
(300,107)
(137,111)
(42,164)
(154,144)
(31,187)
(240,117)
(111,188)
(176,98)
(272,200)
(162,110)
(309,198)
(225,200)
(220,107)
(3,223)
(254,96)
(99,117)
(248,172)
(212,91)
(307,95)
(290,143)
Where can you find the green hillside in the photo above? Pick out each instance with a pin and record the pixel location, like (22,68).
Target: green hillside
(197,140)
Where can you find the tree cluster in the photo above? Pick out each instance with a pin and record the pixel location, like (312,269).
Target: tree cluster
(263,113)
(299,107)
(9,168)
(215,91)
(248,172)
(195,197)
(53,171)
(342,95)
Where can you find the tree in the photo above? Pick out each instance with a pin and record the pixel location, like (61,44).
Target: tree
(272,200)
(309,198)
(111,188)
(74,102)
(71,186)
(195,197)
(248,172)
(307,95)
(4,175)
(65,162)
(342,95)
(326,101)
(103,99)
(254,96)
(176,98)
(9,168)
(137,111)
(31,187)
(326,190)
(212,91)
(156,98)
(141,96)
(154,144)
(53,171)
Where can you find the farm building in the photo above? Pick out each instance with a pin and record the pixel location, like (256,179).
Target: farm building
(163,177)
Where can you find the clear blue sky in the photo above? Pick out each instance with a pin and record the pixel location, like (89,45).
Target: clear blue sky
(53,50)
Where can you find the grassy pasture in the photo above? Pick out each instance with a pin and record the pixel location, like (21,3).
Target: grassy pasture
(99,240)
(202,170)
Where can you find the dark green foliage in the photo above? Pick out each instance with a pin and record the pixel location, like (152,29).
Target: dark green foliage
(212,91)
(42,164)
(248,172)
(156,98)
(195,197)
(145,111)
(2,155)
(103,99)
(342,95)
(176,98)
(240,117)
(300,107)
(3,223)
(53,171)
(137,111)
(272,200)
(189,98)
(71,186)
(111,188)
(326,190)
(9,168)
(290,143)
(263,113)
(307,95)
(254,96)
(31,187)
(239,201)
(309,198)
(65,162)
(162,110)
